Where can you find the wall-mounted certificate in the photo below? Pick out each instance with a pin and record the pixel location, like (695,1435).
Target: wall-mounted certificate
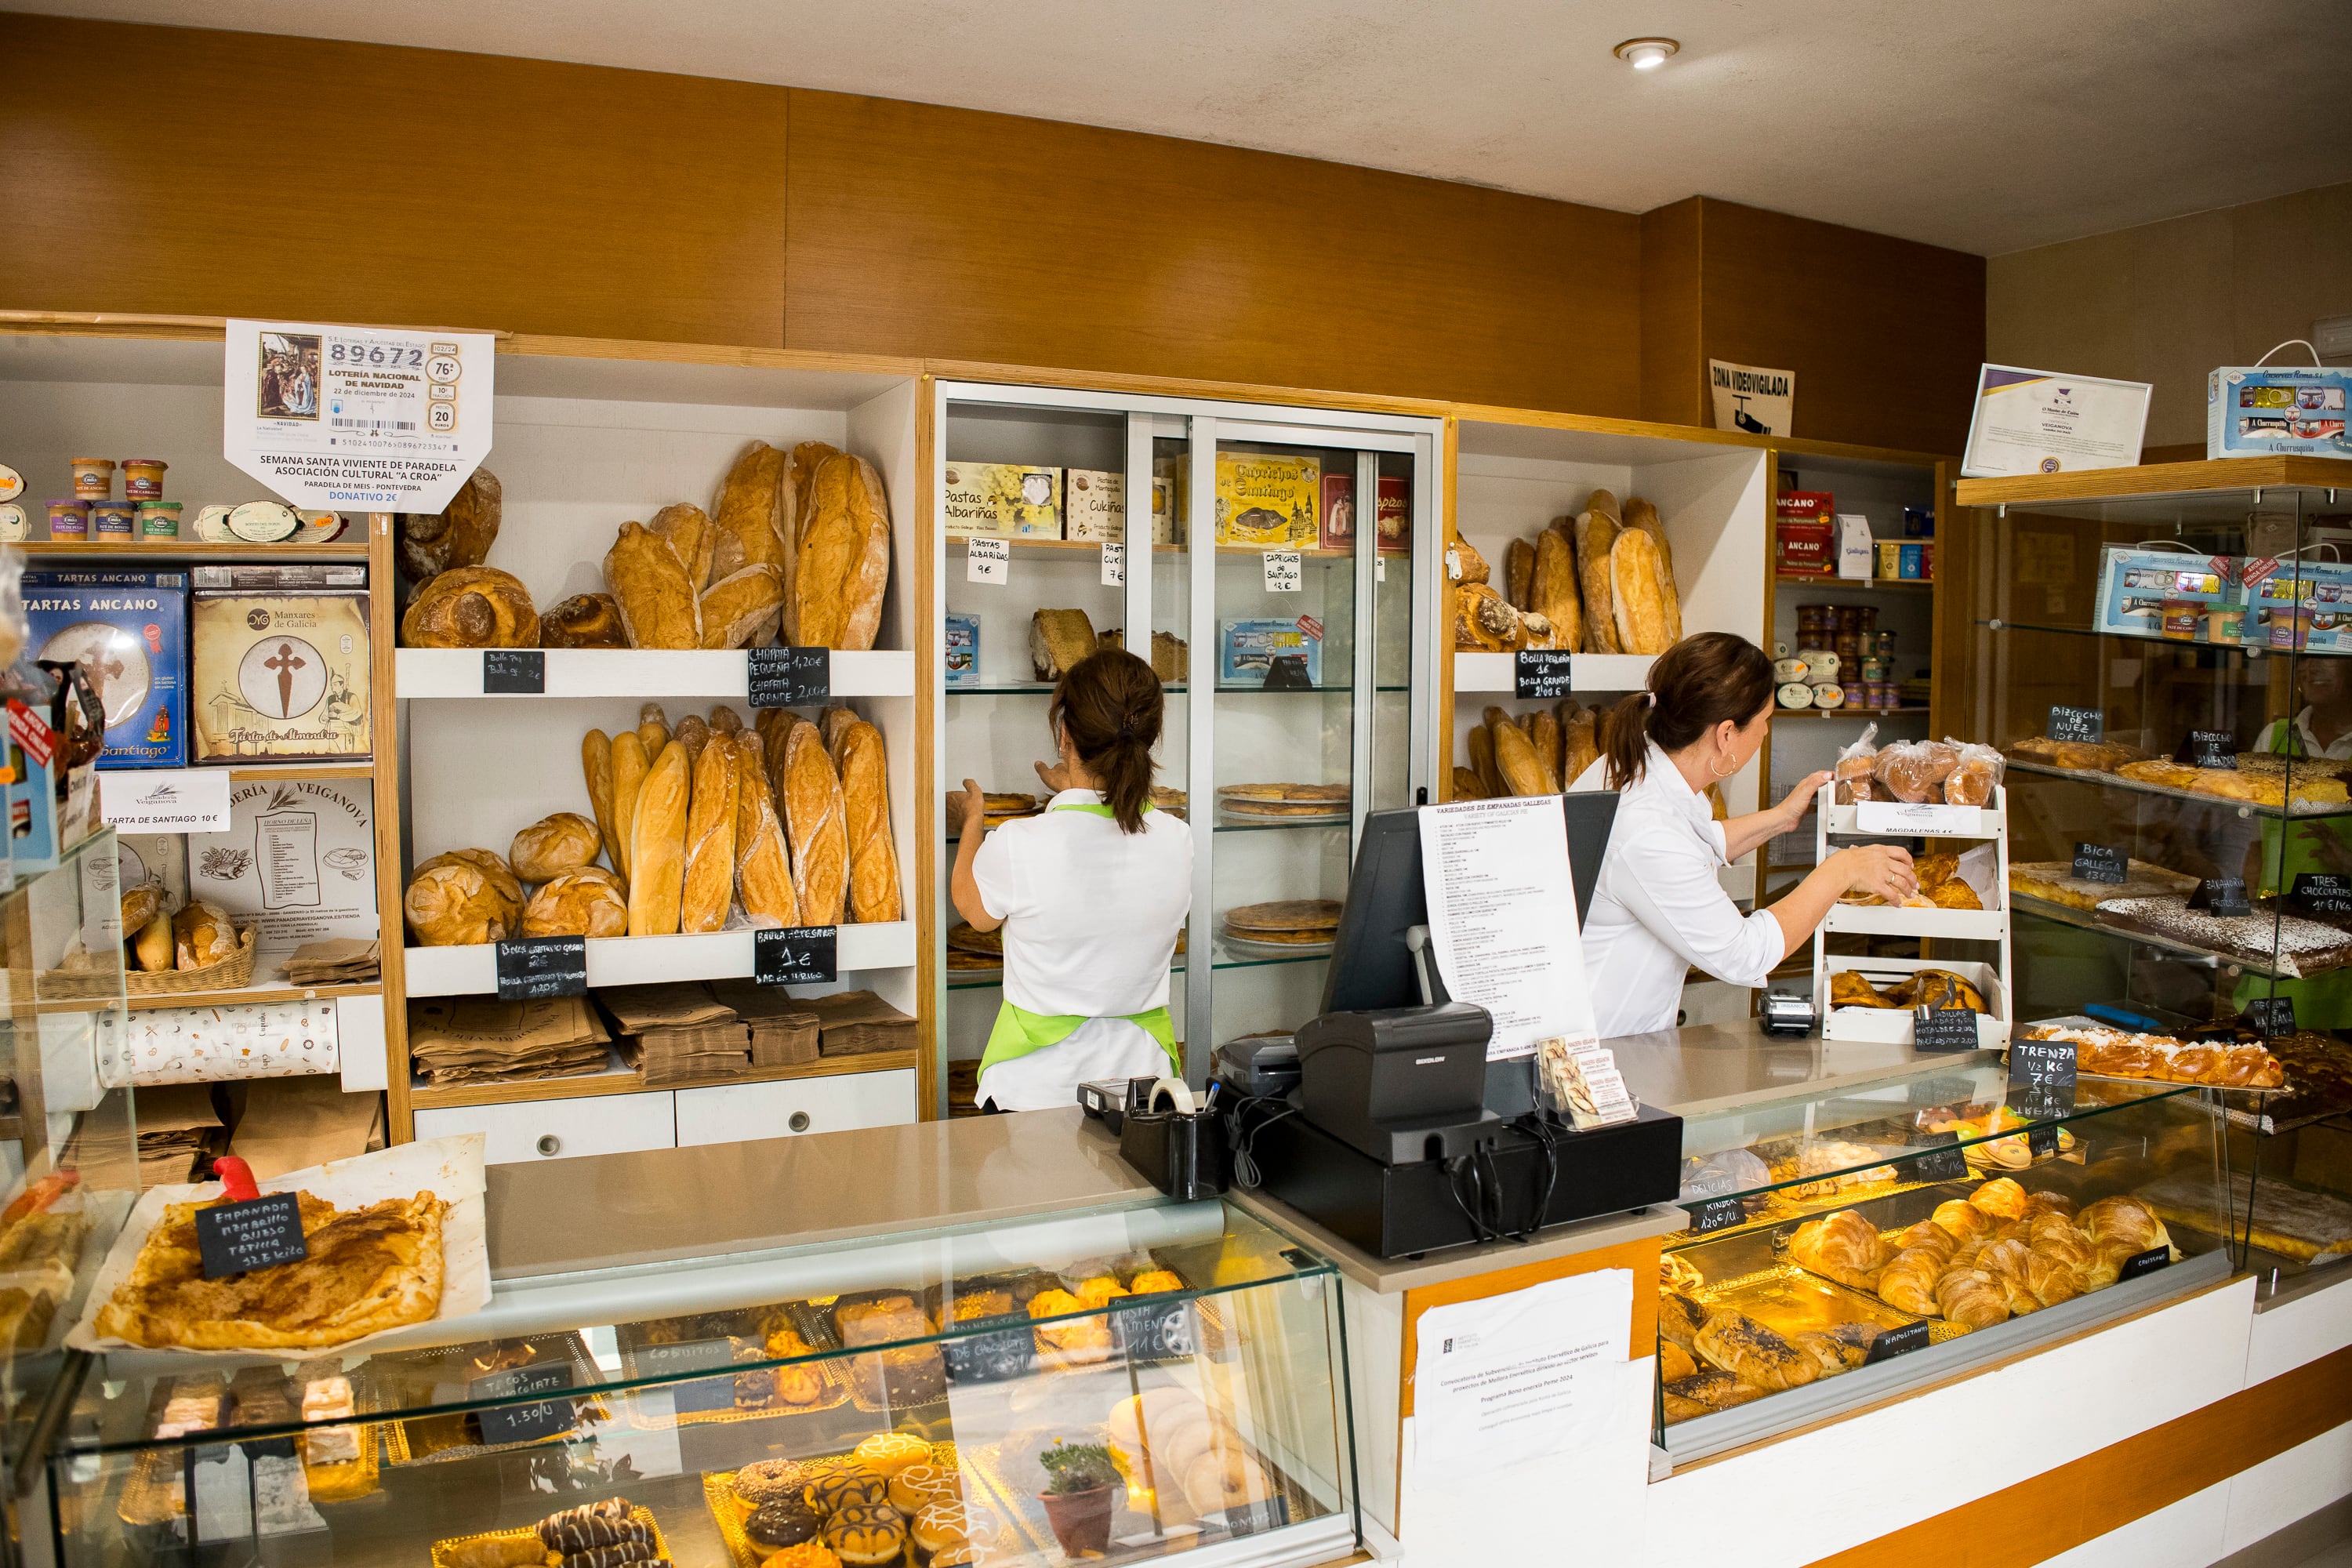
(2036,422)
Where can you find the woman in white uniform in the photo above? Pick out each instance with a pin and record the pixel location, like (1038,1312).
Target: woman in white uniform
(1658,909)
(1091,895)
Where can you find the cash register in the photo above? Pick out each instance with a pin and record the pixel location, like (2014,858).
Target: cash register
(1400,1135)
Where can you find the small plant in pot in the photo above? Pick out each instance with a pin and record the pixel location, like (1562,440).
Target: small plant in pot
(1082,1486)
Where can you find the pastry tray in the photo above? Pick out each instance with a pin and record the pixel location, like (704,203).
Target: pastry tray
(443,1549)
(146,1499)
(815,1322)
(718,1496)
(2116,780)
(400,1449)
(632,1344)
(1788,1298)
(1028,1514)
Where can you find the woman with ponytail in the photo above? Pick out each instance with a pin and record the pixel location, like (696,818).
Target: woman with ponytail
(1659,910)
(1091,895)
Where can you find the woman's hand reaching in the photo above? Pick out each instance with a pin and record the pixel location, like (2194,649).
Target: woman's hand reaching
(1801,800)
(1056,777)
(1881,868)
(974,814)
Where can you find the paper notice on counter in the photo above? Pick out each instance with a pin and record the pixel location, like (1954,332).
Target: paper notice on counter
(1522,1376)
(1502,918)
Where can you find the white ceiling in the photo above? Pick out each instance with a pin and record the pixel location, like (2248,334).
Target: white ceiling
(1986,125)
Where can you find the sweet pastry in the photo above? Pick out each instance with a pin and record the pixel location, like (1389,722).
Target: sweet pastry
(1704,1395)
(2124,1222)
(764,1481)
(785,1521)
(605,1524)
(464,896)
(1851,988)
(1643,598)
(1909,1281)
(1942,988)
(658,850)
(2076,757)
(1154,1281)
(583,620)
(1256,921)
(1552,591)
(815,824)
(1843,1246)
(843,566)
(2162,773)
(1595,538)
(590,901)
(1674,1363)
(1972,782)
(659,605)
(470,606)
(918,1486)
(945,1523)
(1915,771)
(552,846)
(1751,1352)
(1955,894)
(888,1452)
(2001,1197)
(1840,1348)
(1971,1297)
(850,1485)
(1961,1219)
(862,1534)
(1075,1339)
(708,887)
(807,1555)
(2054,881)
(2296,947)
(1680,1318)
(1929,1236)
(865,811)
(498,1552)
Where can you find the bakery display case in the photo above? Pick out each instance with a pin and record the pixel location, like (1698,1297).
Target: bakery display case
(1102,1385)
(2160,652)
(1286,632)
(1858,1234)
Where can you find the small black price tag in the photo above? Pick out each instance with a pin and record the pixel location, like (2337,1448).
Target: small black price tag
(2076,724)
(2097,863)
(2209,748)
(1714,1215)
(2320,893)
(2148,1262)
(1944,1029)
(1946,1162)
(790,677)
(524,1423)
(1249,1518)
(2271,1017)
(1541,673)
(795,955)
(2221,896)
(1893,1343)
(514,671)
(534,968)
(2041,1143)
(259,1233)
(693,1355)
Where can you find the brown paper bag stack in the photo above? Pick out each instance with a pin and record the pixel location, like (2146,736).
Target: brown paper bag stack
(177,1122)
(856,1023)
(678,1033)
(348,961)
(783,1031)
(476,1039)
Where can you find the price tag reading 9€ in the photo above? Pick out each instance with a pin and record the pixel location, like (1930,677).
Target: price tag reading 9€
(987,560)
(1282,572)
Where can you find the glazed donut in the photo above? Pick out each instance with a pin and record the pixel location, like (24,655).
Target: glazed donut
(888,1452)
(945,1525)
(1215,1482)
(854,1485)
(918,1486)
(864,1535)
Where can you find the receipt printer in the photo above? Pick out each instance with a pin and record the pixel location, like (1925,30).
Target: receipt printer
(1400,1084)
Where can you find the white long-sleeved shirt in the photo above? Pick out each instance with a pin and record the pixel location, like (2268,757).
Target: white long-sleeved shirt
(1658,909)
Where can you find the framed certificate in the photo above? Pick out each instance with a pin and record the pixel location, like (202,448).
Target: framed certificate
(2037,422)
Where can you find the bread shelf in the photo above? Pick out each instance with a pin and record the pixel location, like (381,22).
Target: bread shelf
(618,1079)
(723,673)
(166,551)
(472,970)
(252,994)
(2112,780)
(1497,672)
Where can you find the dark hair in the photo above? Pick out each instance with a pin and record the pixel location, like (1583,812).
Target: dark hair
(1696,685)
(1108,704)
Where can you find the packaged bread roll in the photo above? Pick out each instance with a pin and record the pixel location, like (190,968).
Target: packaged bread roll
(1482,761)
(153,948)
(596,768)
(471,606)
(1977,775)
(1851,772)
(741,609)
(589,901)
(710,882)
(1596,536)
(845,556)
(865,811)
(629,765)
(1642,612)
(583,620)
(813,825)
(1553,592)
(462,898)
(552,846)
(1516,762)
(763,871)
(1519,574)
(691,539)
(657,845)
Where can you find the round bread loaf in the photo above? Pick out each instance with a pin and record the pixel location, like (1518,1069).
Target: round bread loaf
(464,897)
(202,934)
(583,620)
(471,606)
(460,535)
(554,844)
(591,902)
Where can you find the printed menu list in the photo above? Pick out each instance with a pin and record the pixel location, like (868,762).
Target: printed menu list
(1502,918)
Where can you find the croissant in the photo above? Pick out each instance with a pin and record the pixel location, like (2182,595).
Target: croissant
(2006,1262)
(1909,1282)
(2124,1222)
(2106,1267)
(2037,1203)
(2000,1196)
(2052,1279)
(1970,1298)
(1928,1235)
(1960,1217)
(1843,1246)
(1753,1353)
(2056,1230)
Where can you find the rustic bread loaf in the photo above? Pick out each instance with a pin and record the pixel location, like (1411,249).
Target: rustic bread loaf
(744,608)
(692,537)
(583,620)
(471,606)
(552,846)
(459,534)
(464,897)
(659,608)
(750,512)
(590,901)
(844,568)
(1596,534)
(1553,592)
(710,883)
(629,767)
(596,768)
(814,825)
(1516,761)
(657,849)
(763,872)
(1519,574)
(1644,623)
(866,807)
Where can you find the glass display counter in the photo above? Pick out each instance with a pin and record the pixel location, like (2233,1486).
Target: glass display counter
(1105,1385)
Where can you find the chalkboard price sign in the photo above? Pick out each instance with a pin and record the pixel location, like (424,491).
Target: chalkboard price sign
(1893,1343)
(2320,893)
(2097,863)
(2221,896)
(2209,748)
(2148,1262)
(535,968)
(2271,1016)
(1944,1030)
(2076,724)
(790,677)
(795,955)
(260,1233)
(2043,1064)
(1542,674)
(514,671)
(524,1423)
(2041,1143)
(693,1355)
(1946,1164)
(1714,1215)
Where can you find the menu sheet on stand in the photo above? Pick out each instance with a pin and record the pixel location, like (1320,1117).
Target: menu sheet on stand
(1502,917)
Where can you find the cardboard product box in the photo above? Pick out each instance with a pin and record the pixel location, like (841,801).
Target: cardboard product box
(1011,499)
(1168,507)
(296,864)
(1268,500)
(1247,650)
(1094,505)
(1338,513)
(2136,586)
(48,765)
(280,663)
(963,650)
(1804,532)
(2307,605)
(2261,411)
(131,629)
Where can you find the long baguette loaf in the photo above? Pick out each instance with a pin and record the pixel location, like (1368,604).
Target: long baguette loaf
(1605,504)
(1482,761)
(1596,533)
(653,731)
(657,849)
(1643,623)
(865,803)
(835,724)
(814,823)
(1543,729)
(629,765)
(596,767)
(799,487)
(1580,741)
(709,882)
(1641,514)
(1553,592)
(763,871)
(1516,762)
(845,556)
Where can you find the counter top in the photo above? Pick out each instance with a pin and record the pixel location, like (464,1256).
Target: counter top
(1713,1067)
(1387,1276)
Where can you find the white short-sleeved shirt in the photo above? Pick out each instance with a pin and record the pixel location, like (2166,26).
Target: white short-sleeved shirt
(2339,752)
(1658,909)
(1091,916)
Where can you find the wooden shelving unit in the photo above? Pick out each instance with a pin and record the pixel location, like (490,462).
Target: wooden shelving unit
(192,552)
(620,1079)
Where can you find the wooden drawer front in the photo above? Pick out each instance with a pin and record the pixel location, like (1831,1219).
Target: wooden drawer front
(734,1113)
(560,1129)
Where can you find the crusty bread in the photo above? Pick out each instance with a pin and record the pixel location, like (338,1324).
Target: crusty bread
(1604,502)
(629,765)
(459,898)
(596,767)
(814,825)
(1596,534)
(866,805)
(1636,569)
(799,479)
(1641,514)
(555,844)
(748,518)
(835,724)
(1058,639)
(1580,740)
(693,734)
(589,901)
(658,605)
(1466,785)
(471,606)
(657,849)
(1543,729)
(1482,622)
(844,567)
(763,871)
(1472,564)
(741,609)
(1521,770)
(1553,594)
(460,535)
(710,880)
(583,620)
(1482,761)
(725,720)
(1519,574)
(691,538)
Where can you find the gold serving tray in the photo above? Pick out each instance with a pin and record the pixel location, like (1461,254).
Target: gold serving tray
(632,1344)
(444,1550)
(1790,1300)
(728,1512)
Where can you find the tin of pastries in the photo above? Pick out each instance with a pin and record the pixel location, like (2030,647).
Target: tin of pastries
(369,1269)
(2119,1053)
(583,620)
(841,568)
(2293,946)
(464,897)
(459,534)
(2054,881)
(471,606)
(590,901)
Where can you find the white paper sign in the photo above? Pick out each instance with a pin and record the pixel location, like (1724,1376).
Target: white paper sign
(1502,918)
(2037,422)
(1281,572)
(1114,565)
(166,800)
(1521,1376)
(367,417)
(1896,816)
(1752,398)
(295,863)
(987,560)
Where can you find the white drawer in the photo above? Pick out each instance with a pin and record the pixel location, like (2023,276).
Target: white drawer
(736,1113)
(560,1129)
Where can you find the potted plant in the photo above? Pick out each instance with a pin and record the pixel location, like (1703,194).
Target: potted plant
(1081,1486)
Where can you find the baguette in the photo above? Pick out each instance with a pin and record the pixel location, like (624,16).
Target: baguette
(691,538)
(1481,762)
(693,734)
(798,479)
(1644,623)
(596,765)
(774,727)
(1596,534)
(629,767)
(1519,574)
(659,608)
(1580,741)
(763,872)
(814,823)
(1604,502)
(845,556)
(833,724)
(658,846)
(710,879)
(725,720)
(1544,730)
(1553,594)
(866,805)
(653,731)
(1641,514)
(1516,761)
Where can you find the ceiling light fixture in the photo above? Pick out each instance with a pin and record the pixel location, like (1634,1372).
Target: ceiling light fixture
(1647,54)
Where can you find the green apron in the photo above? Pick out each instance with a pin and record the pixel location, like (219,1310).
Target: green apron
(2324,1001)
(1018,1031)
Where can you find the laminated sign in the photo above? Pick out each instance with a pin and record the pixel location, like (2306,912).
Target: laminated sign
(366,418)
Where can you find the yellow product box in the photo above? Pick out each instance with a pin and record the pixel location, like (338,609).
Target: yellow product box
(1268,500)
(1011,500)
(1167,510)
(279,661)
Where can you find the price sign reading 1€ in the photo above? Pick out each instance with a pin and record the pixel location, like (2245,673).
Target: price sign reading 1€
(1282,572)
(987,560)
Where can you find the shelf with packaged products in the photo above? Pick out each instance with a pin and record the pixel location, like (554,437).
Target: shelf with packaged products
(1856,713)
(2300,813)
(166,551)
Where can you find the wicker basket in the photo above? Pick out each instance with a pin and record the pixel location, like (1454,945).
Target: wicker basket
(231,973)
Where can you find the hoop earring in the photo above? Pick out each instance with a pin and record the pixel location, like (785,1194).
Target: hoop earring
(1723,773)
